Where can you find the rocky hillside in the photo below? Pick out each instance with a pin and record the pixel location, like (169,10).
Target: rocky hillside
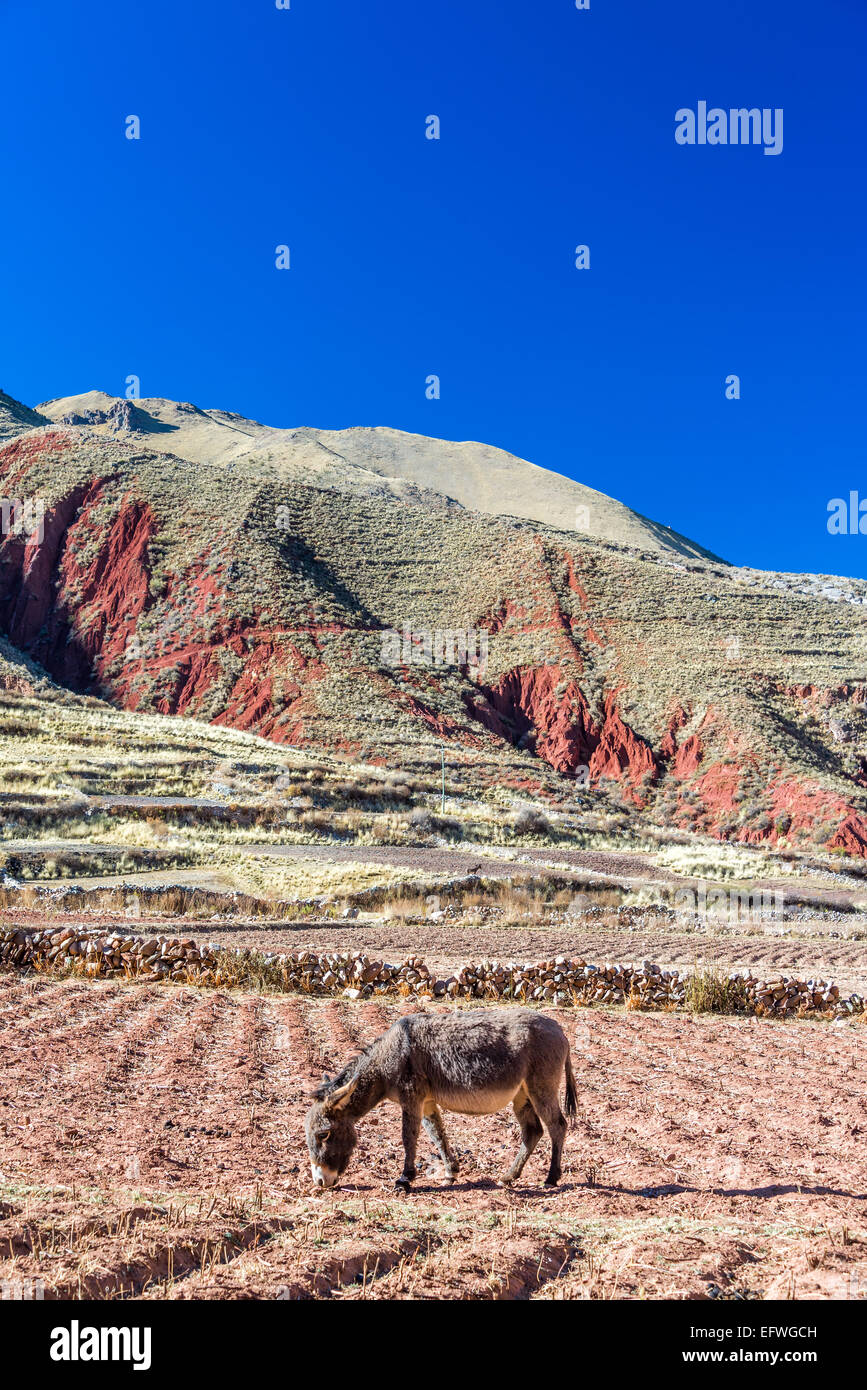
(15,417)
(308,606)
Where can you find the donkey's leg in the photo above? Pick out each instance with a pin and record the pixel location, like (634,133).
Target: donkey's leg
(546,1103)
(531,1133)
(436,1131)
(410,1129)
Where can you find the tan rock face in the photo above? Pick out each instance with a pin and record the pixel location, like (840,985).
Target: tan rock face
(366,460)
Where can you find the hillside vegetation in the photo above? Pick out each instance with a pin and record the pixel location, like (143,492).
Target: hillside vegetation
(621,682)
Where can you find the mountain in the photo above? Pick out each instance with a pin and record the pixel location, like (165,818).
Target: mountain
(15,417)
(375,460)
(296,592)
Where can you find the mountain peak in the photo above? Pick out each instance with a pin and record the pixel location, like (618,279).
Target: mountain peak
(376,459)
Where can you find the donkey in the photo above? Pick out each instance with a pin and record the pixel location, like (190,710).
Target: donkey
(474,1061)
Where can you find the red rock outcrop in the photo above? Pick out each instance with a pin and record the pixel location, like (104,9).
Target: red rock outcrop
(620,754)
(678,720)
(541,708)
(851,836)
(688,757)
(538,707)
(28,608)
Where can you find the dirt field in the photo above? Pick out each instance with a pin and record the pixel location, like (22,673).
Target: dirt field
(151,1146)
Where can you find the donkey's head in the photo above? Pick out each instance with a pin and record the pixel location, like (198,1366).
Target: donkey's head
(331,1134)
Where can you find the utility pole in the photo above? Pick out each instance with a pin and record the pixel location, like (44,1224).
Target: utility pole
(443,798)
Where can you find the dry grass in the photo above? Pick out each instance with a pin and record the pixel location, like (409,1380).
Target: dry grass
(711,991)
(717,862)
(140,901)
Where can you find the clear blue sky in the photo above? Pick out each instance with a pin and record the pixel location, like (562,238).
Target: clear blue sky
(455,257)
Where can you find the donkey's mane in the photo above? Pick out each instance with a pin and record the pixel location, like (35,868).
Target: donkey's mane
(348,1073)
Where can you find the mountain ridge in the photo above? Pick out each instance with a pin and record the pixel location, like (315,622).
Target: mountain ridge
(478,476)
(705,697)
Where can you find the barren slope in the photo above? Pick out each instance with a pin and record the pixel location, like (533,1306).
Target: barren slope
(371,460)
(15,418)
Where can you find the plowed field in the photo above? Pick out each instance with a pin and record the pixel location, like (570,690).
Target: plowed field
(151,1145)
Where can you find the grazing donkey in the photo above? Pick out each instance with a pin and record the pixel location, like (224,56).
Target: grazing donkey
(474,1061)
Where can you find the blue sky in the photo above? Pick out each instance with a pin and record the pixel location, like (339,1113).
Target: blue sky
(409,256)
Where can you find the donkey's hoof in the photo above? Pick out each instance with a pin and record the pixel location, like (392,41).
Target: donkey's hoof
(552,1182)
(506,1180)
(402,1185)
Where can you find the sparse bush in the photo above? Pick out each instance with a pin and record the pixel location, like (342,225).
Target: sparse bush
(710,991)
(529,821)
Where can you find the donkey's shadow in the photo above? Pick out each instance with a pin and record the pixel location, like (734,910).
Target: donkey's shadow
(673,1189)
(534,1191)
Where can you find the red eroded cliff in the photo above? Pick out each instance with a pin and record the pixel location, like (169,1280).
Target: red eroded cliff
(678,720)
(537,707)
(851,836)
(620,754)
(543,709)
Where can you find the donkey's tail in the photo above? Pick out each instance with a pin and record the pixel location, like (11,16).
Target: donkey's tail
(571,1093)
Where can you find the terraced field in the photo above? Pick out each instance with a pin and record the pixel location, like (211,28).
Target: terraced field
(151,1146)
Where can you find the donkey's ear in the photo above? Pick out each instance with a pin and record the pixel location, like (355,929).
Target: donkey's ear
(338,1098)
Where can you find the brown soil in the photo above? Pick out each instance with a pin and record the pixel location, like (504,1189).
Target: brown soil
(151,1145)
